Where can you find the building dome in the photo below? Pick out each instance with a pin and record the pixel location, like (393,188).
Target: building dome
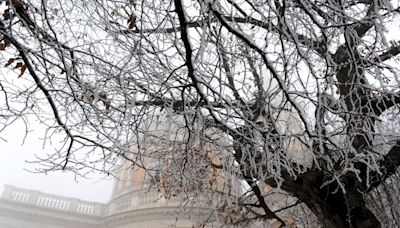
(149,176)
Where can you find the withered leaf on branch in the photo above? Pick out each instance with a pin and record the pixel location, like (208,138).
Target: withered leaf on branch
(6,43)
(7,14)
(90,96)
(23,68)
(114,12)
(10,61)
(132,21)
(105,100)
(20,65)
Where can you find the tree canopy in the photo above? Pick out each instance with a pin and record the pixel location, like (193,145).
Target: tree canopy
(300,97)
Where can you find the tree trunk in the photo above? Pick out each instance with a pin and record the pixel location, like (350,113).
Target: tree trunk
(345,210)
(332,207)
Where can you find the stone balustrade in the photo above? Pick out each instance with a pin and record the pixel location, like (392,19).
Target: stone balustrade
(139,199)
(44,200)
(128,202)
(141,208)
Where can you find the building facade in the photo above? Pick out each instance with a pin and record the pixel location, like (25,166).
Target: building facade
(135,201)
(22,208)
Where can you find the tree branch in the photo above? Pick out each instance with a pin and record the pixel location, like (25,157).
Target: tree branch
(46,93)
(316,45)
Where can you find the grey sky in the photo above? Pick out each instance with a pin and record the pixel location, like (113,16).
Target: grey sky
(13,157)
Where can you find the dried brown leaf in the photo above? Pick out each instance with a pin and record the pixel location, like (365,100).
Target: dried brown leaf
(19,65)
(7,42)
(23,68)
(132,21)
(7,14)
(10,61)
(114,12)
(132,18)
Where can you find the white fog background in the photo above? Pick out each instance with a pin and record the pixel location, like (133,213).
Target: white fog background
(14,167)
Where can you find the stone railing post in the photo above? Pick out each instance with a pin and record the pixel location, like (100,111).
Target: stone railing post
(98,209)
(74,205)
(33,197)
(7,192)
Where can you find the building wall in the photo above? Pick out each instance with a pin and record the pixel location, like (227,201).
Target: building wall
(22,208)
(22,215)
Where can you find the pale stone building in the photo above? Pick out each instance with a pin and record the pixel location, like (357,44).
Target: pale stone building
(22,208)
(134,201)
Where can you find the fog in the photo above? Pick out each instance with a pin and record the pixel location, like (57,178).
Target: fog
(16,169)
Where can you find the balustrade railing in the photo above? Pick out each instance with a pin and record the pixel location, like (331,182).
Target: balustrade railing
(45,200)
(127,202)
(139,199)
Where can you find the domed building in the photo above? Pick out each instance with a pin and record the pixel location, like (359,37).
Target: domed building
(133,204)
(136,199)
(161,182)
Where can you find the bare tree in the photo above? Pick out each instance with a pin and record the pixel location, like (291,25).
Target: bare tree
(300,96)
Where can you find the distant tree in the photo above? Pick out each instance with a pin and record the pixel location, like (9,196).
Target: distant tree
(303,96)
